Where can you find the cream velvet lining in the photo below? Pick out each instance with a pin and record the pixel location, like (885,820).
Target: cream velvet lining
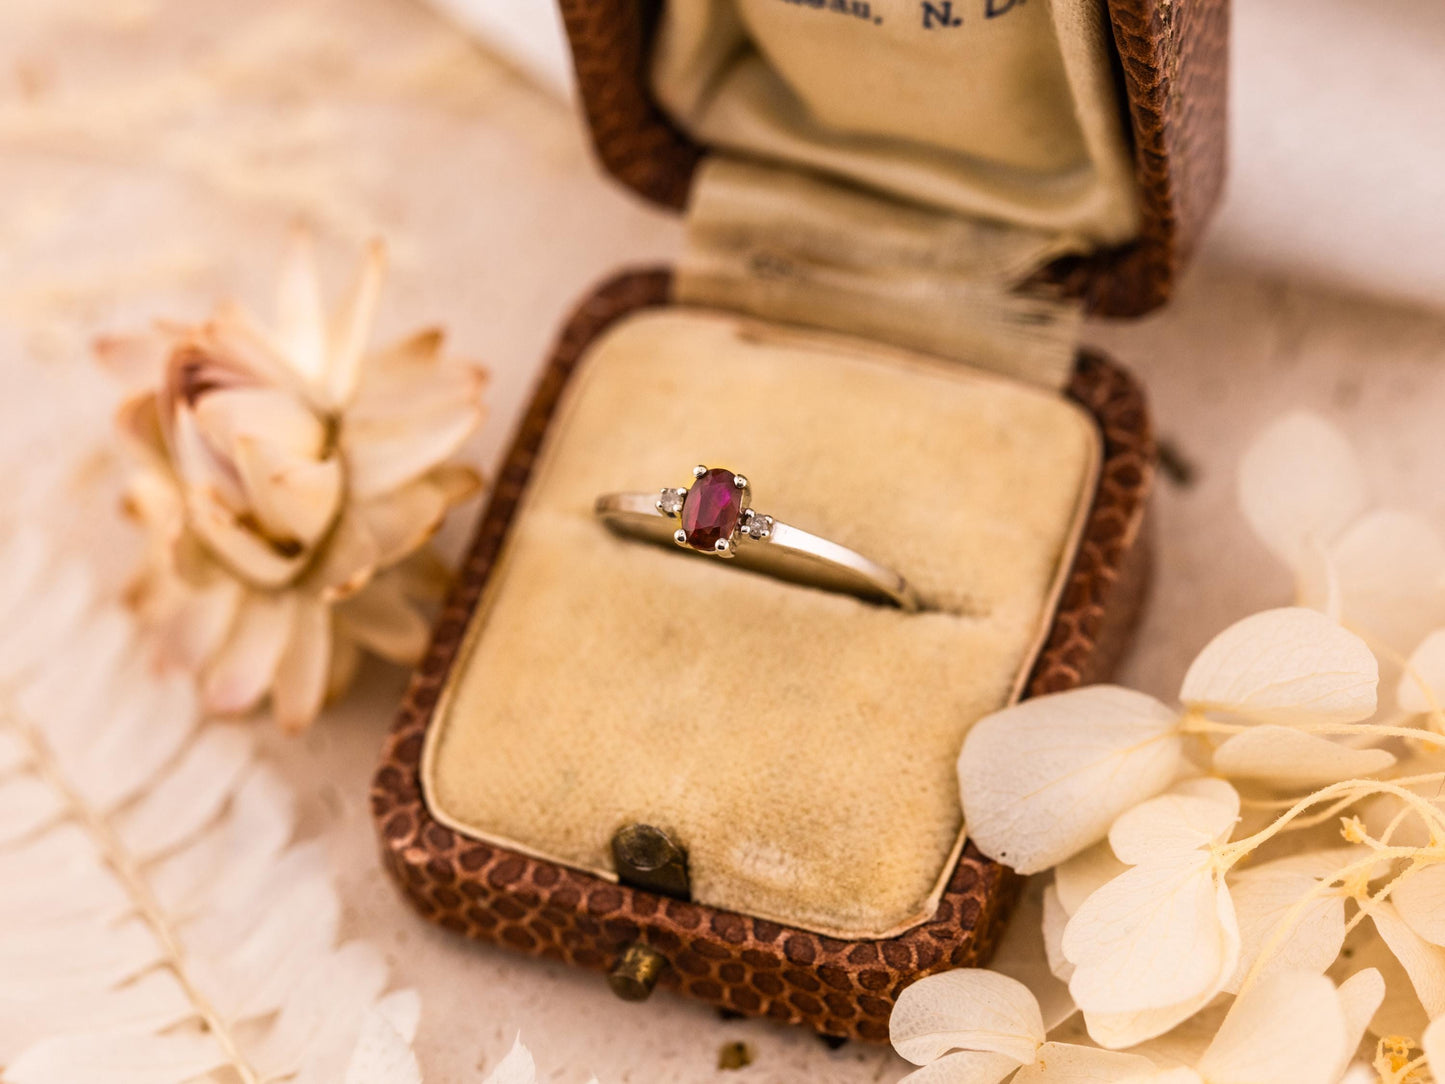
(1012,117)
(801,744)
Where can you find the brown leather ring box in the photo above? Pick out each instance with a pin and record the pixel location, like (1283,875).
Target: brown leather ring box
(1171,58)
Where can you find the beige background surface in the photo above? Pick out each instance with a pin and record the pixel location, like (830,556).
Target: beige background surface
(154,152)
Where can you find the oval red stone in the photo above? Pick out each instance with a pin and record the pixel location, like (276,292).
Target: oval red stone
(710,512)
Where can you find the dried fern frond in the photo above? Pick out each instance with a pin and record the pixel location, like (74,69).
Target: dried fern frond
(158,922)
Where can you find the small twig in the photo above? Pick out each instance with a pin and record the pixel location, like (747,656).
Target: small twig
(1175,465)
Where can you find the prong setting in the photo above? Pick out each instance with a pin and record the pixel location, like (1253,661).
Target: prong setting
(714,513)
(756,526)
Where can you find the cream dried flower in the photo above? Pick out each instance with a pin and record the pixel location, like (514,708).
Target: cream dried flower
(1046,779)
(1379,570)
(978,1027)
(1145,928)
(289,481)
(1217,864)
(1171,905)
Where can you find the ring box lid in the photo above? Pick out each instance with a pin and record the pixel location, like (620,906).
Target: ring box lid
(1170,59)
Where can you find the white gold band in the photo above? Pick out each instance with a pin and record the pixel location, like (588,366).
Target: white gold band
(709,519)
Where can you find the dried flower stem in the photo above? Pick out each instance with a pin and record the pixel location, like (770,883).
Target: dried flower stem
(1395,822)
(1411,1067)
(1300,824)
(119,858)
(1324,887)
(1357,789)
(1192,723)
(1381,851)
(1366,901)
(1288,803)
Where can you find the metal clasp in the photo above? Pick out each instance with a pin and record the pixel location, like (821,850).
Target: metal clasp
(650,859)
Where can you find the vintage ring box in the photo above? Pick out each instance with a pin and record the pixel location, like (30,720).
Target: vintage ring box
(672,771)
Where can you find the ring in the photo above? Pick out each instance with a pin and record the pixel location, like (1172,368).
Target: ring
(714,516)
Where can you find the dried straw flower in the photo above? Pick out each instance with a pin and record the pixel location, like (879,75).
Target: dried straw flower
(289,481)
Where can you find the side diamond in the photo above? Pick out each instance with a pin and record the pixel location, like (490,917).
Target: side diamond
(758,527)
(669,503)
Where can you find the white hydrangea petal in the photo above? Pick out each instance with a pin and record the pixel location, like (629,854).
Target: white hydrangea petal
(1400,1012)
(1422,686)
(1022,954)
(1122,1031)
(1317,861)
(1054,920)
(1193,814)
(1317,584)
(1079,877)
(1282,666)
(1066,1063)
(1434,1045)
(1300,482)
(1390,565)
(964,1067)
(1282,757)
(1422,961)
(1419,897)
(1264,899)
(1361,996)
(1186,1043)
(1288,1029)
(970,1009)
(1159,935)
(1044,779)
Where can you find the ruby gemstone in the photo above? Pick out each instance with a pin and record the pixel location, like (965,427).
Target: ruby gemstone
(710,512)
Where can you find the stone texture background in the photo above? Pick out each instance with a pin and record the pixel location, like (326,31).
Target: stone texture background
(154,153)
